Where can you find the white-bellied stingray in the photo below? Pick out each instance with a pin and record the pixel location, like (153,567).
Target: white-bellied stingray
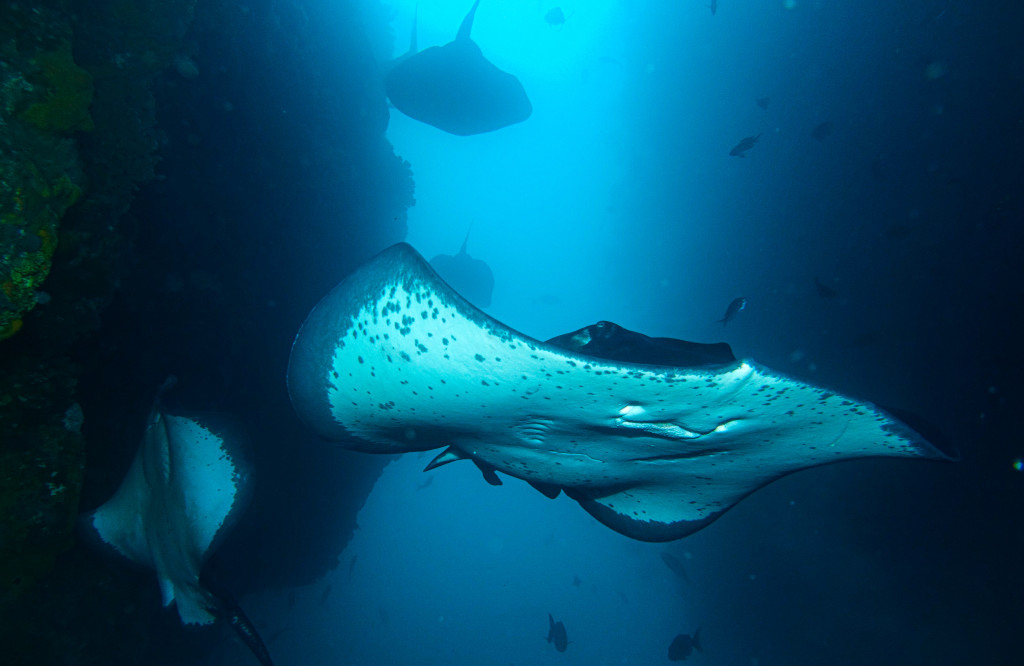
(454,88)
(472,278)
(393,360)
(183,492)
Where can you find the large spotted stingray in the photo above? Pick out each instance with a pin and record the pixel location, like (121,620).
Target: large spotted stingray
(393,361)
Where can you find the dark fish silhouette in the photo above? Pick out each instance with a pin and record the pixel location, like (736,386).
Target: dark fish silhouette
(555,17)
(472,278)
(557,635)
(713,7)
(454,88)
(683,646)
(674,563)
(745,144)
(576,581)
(733,310)
(822,131)
(763,102)
(824,290)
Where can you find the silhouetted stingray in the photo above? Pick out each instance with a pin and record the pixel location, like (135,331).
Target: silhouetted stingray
(470,277)
(555,17)
(745,144)
(454,88)
(394,361)
(822,131)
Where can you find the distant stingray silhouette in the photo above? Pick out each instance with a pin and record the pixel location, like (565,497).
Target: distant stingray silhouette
(454,88)
(471,277)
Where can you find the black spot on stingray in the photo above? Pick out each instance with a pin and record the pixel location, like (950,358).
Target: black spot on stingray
(479,358)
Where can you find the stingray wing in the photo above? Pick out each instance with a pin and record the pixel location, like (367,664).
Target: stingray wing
(181,494)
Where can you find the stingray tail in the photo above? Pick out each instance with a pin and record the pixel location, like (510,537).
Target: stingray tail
(465,241)
(232,613)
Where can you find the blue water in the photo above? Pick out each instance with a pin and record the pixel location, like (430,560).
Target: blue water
(618,200)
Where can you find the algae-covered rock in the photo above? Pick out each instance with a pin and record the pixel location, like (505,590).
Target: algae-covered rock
(68,87)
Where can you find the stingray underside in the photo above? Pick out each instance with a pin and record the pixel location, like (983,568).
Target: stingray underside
(393,360)
(185,489)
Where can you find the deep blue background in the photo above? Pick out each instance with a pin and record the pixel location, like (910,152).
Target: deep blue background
(618,200)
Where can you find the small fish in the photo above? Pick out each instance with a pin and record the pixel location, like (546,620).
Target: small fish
(683,646)
(763,102)
(822,131)
(733,310)
(713,7)
(557,635)
(745,144)
(676,565)
(576,581)
(824,290)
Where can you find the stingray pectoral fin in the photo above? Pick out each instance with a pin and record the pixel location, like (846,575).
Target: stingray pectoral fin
(182,493)
(117,526)
(646,514)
